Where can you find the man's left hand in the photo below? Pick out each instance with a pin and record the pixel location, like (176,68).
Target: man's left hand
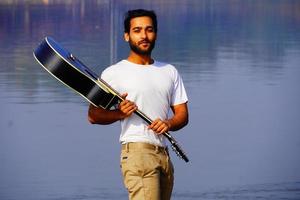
(159,126)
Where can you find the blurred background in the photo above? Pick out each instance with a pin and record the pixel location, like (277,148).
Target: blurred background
(240,63)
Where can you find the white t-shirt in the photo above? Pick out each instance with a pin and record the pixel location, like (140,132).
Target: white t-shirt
(153,88)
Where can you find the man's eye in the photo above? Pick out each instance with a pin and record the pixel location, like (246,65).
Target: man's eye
(150,30)
(136,30)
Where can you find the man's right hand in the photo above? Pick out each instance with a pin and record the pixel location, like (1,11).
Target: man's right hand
(126,107)
(98,115)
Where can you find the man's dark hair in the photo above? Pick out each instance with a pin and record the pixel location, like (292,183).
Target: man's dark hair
(139,13)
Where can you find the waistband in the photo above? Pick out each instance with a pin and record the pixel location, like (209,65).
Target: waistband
(140,145)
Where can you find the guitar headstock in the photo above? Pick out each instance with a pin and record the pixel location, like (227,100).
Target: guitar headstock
(178,151)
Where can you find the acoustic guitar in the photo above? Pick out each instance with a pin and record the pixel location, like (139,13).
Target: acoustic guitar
(69,70)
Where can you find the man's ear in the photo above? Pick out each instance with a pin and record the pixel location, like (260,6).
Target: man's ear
(126,37)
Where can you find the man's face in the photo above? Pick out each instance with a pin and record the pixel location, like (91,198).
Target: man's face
(141,36)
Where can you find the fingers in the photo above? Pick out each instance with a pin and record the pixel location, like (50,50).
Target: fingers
(127,107)
(159,126)
(124,95)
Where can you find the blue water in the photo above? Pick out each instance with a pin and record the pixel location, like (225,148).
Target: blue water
(240,64)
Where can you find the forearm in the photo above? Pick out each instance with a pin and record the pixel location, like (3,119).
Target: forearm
(102,116)
(177,122)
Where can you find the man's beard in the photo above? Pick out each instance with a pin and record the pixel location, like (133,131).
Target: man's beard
(135,48)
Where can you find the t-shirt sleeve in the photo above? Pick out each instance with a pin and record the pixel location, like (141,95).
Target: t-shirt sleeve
(106,76)
(110,76)
(179,95)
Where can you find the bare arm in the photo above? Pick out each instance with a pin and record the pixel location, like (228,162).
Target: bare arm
(126,108)
(97,115)
(176,122)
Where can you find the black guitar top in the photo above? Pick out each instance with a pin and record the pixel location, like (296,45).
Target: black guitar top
(69,70)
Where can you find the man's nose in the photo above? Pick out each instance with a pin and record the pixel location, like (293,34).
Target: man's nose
(143,34)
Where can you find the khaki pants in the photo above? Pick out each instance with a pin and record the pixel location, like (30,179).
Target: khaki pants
(147,171)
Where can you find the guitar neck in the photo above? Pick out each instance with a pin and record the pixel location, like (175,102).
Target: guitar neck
(174,144)
(137,112)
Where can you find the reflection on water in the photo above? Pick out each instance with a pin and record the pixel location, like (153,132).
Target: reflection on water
(240,64)
(261,191)
(259,34)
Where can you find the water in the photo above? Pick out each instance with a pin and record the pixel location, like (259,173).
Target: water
(240,64)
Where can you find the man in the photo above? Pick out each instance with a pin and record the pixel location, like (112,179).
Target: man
(154,88)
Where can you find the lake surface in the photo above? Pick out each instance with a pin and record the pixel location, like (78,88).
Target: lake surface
(240,63)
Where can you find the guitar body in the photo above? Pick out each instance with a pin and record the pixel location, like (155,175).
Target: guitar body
(70,71)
